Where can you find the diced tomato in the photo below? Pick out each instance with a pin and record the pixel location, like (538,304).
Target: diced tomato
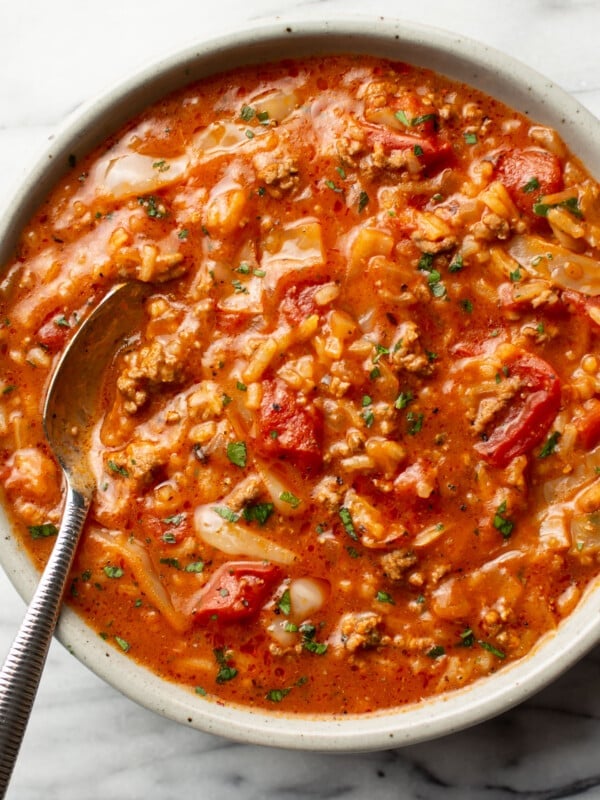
(530,413)
(298,303)
(54,332)
(528,174)
(430,150)
(581,303)
(285,428)
(588,425)
(236,591)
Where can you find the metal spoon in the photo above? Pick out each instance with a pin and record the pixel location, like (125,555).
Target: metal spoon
(70,405)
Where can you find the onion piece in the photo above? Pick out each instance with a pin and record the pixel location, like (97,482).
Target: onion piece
(132,174)
(138,559)
(564,268)
(235,540)
(307,596)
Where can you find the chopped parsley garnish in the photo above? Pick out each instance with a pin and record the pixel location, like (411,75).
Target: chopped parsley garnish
(183,234)
(195,566)
(515,276)
(161,165)
(200,690)
(403,400)
(9,388)
(334,188)
(418,150)
(571,204)
(170,562)
(174,519)
(237,453)
(491,649)
(467,638)
(374,374)
(470,138)
(467,305)
(123,644)
(457,264)
(380,350)
(347,522)
(436,651)
(42,531)
(154,208)
(118,469)
(258,512)
(368,417)
(277,695)
(308,632)
(425,262)
(284,604)
(290,498)
(549,445)
(239,287)
(113,572)
(225,673)
(530,186)
(415,423)
(434,277)
(363,201)
(501,522)
(384,597)
(402,117)
(226,513)
(247,113)
(241,386)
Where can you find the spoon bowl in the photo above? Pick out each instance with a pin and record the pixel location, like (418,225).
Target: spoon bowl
(71,401)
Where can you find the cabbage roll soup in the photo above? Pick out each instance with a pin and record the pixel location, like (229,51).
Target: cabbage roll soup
(350,460)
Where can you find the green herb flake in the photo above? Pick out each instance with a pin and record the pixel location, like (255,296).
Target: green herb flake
(380,350)
(530,186)
(549,445)
(374,374)
(436,651)
(238,287)
(263,117)
(43,531)
(418,150)
(491,649)
(516,275)
(363,201)
(368,418)
(183,234)
(241,386)
(225,673)
(457,264)
(237,453)
(501,522)
(467,305)
(308,632)
(247,113)
(571,204)
(334,188)
(425,262)
(415,423)
(401,117)
(277,695)
(403,400)
(117,468)
(113,572)
(201,691)
(346,517)
(467,638)
(285,604)
(226,513)
(161,165)
(352,552)
(291,499)
(470,138)
(258,512)
(154,208)
(170,562)
(123,644)
(384,597)
(195,567)
(341,172)
(174,519)
(169,537)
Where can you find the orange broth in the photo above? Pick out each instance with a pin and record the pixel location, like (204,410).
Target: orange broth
(351,459)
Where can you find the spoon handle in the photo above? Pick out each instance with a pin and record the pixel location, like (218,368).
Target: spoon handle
(22,669)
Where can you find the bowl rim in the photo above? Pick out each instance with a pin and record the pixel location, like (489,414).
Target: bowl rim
(460,58)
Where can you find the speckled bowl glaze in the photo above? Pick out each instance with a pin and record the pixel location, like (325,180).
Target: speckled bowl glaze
(460,59)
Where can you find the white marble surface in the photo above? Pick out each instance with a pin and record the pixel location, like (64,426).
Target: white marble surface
(87,741)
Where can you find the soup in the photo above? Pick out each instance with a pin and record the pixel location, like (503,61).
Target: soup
(350,461)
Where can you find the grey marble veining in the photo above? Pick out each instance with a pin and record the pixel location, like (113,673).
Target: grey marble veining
(87,741)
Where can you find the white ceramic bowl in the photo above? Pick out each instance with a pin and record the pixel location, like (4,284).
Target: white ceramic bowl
(460,59)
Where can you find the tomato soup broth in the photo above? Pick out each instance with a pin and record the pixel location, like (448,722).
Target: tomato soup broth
(350,460)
